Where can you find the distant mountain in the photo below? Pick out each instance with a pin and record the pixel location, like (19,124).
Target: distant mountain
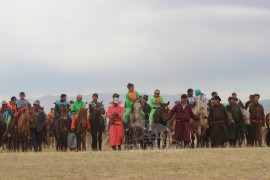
(48,101)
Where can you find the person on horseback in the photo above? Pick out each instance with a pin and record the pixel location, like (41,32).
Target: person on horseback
(3,119)
(199,95)
(96,130)
(155,104)
(57,112)
(21,105)
(131,96)
(11,110)
(75,109)
(190,98)
(36,127)
(116,126)
(146,110)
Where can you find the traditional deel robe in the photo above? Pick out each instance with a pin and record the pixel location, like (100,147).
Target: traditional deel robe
(236,129)
(218,119)
(182,113)
(257,120)
(116,125)
(154,104)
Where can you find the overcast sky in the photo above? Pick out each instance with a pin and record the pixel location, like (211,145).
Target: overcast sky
(86,46)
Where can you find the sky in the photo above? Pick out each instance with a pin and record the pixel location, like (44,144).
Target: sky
(49,47)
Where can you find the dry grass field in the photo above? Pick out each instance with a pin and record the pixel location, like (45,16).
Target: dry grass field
(227,163)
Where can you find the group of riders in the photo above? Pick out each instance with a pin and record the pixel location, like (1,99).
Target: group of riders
(233,122)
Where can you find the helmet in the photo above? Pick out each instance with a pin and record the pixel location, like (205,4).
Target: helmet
(198,92)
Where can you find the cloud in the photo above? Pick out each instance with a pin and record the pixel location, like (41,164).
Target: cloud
(49,47)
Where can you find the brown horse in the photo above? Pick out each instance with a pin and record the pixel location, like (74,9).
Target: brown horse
(97,122)
(23,126)
(64,127)
(81,127)
(159,127)
(13,137)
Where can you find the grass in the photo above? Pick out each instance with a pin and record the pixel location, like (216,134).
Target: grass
(227,163)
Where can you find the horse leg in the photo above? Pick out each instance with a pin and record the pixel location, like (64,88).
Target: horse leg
(192,139)
(100,140)
(158,140)
(165,140)
(83,141)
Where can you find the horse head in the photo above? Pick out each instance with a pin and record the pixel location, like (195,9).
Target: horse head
(83,116)
(137,109)
(164,111)
(29,114)
(64,111)
(201,109)
(246,115)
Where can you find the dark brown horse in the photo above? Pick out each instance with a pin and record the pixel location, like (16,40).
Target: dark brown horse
(64,127)
(97,122)
(23,126)
(81,127)
(159,127)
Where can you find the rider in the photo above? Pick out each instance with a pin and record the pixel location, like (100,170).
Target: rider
(11,110)
(131,96)
(155,104)
(190,98)
(57,112)
(3,115)
(21,105)
(200,95)
(146,110)
(75,109)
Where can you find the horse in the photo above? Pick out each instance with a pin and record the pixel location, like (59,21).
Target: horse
(246,116)
(62,133)
(81,127)
(48,139)
(13,137)
(159,127)
(198,128)
(97,122)
(23,126)
(136,125)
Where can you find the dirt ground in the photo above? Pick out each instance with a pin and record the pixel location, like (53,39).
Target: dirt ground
(227,163)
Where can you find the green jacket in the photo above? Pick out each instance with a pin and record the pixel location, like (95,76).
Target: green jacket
(154,104)
(129,102)
(76,107)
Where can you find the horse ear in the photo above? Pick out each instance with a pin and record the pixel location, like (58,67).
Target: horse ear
(101,102)
(168,103)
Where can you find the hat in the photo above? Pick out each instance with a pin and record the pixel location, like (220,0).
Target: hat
(95,95)
(198,92)
(116,100)
(214,93)
(184,96)
(230,98)
(216,97)
(37,102)
(157,91)
(145,97)
(256,95)
(116,95)
(13,98)
(4,102)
